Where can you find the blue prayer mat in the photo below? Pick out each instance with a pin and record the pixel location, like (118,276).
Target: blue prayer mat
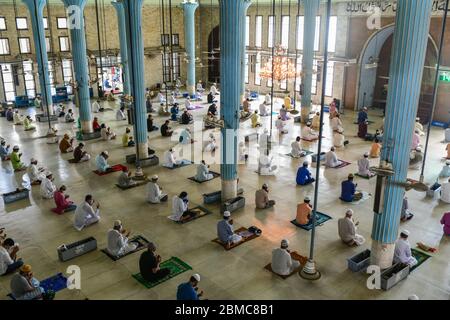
(56,283)
(321,218)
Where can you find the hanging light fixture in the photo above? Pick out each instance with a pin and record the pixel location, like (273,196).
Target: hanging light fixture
(279,67)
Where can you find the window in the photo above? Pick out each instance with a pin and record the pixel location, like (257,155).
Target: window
(175,39)
(247,31)
(314,76)
(258,33)
(64,44)
(283,85)
(4,46)
(51,77)
(317,34)
(24,45)
(246,68)
(48,44)
(329,82)
(61,23)
(28,77)
(298,80)
(168,74)
(45,23)
(300,32)
(332,34)
(285,31)
(257,69)
(8,82)
(271,32)
(2,23)
(21,23)
(67,70)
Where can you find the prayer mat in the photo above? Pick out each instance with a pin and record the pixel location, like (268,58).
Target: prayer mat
(199,212)
(364,177)
(56,283)
(138,184)
(321,218)
(239,231)
(365,196)
(115,168)
(184,164)
(176,266)
(139,240)
(369,121)
(342,165)
(215,175)
(306,151)
(72,161)
(194,107)
(309,140)
(420,256)
(295,256)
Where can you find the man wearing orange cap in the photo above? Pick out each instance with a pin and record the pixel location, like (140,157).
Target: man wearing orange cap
(24,286)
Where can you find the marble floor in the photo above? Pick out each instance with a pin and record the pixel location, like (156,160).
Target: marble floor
(235,274)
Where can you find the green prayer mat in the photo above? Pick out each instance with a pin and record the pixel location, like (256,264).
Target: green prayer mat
(420,256)
(176,266)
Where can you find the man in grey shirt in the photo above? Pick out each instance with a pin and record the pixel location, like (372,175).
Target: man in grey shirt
(24,286)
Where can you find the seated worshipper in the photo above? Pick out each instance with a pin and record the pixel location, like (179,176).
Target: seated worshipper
(102,163)
(304,212)
(210,98)
(402,251)
(127,139)
(174,110)
(348,190)
(125,180)
(418,126)
(210,145)
(267,99)
(375,149)
(336,123)
(296,148)
(166,130)
(284,113)
(203,172)
(24,286)
(308,133)
(333,108)
(255,120)
(8,257)
(200,86)
(80,155)
(95,125)
(18,120)
(60,111)
(282,262)
(148,104)
(154,193)
(415,140)
(187,103)
(65,145)
(185,136)
(106,133)
(117,240)
(186,118)
(69,116)
(262,198)
(263,110)
(364,166)
(96,107)
(287,102)
(445,172)
(362,123)
(180,207)
(265,163)
(51,136)
(149,265)
(316,121)
(16,162)
(416,158)
(27,124)
(172,100)
(406,213)
(4,151)
(212,109)
(161,98)
(120,114)
(279,124)
(37,102)
(85,214)
(448,150)
(243,154)
(347,230)
(163,110)
(247,95)
(247,106)
(445,221)
(189,290)
(331,159)
(9,114)
(339,139)
(48,188)
(150,126)
(35,174)
(63,204)
(214,90)
(170,160)
(303,175)
(445,192)
(225,231)
(208,120)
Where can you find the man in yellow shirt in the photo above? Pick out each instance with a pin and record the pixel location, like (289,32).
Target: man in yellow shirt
(127,140)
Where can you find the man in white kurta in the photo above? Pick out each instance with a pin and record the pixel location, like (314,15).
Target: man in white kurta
(170,160)
(296,148)
(263,110)
(95,107)
(402,251)
(347,230)
(364,166)
(154,193)
(214,90)
(179,207)
(118,244)
(331,159)
(264,140)
(35,174)
(203,172)
(282,262)
(48,188)
(308,133)
(267,99)
(120,114)
(279,124)
(336,124)
(85,215)
(445,192)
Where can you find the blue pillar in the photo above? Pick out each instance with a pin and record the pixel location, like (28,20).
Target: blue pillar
(244,47)
(232,27)
(311,10)
(135,47)
(123,45)
(407,61)
(75,21)
(36,8)
(189,42)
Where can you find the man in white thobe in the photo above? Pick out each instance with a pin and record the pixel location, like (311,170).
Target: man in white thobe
(203,172)
(402,251)
(296,148)
(331,159)
(120,114)
(364,166)
(170,160)
(347,230)
(336,123)
(154,193)
(48,188)
(266,166)
(263,110)
(95,107)
(264,141)
(267,99)
(214,90)
(445,192)
(118,244)
(35,174)
(180,206)
(282,262)
(308,133)
(85,215)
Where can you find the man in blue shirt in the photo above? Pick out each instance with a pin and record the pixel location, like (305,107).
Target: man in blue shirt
(362,123)
(188,290)
(304,176)
(348,192)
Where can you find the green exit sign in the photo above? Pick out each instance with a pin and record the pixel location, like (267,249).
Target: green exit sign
(444,76)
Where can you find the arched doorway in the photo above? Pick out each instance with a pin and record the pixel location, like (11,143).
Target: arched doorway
(214,55)
(374,77)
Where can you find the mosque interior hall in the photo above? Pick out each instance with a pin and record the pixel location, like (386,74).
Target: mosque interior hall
(224,150)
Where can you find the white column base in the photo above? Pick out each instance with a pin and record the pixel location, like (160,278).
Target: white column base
(305,114)
(86,127)
(229,189)
(382,254)
(190,89)
(143,150)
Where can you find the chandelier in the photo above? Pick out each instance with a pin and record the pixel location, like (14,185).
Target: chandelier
(283,68)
